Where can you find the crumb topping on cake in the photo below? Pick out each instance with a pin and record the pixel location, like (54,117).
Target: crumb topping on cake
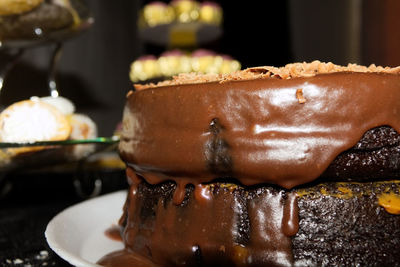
(293,70)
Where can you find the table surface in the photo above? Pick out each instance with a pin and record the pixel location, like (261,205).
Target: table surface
(26,209)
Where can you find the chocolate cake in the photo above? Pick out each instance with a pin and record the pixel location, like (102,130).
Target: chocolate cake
(291,166)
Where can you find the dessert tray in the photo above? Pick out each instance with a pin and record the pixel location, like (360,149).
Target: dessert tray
(77,234)
(180,23)
(15,156)
(185,34)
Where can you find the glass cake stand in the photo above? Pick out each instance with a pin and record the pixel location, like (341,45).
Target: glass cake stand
(55,155)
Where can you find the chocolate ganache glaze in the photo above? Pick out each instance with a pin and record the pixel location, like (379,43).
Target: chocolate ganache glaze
(254,130)
(238,152)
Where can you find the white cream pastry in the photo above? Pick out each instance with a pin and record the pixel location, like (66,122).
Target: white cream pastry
(61,103)
(33,120)
(83,127)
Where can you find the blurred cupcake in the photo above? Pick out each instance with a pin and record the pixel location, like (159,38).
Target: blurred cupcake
(211,13)
(228,64)
(144,68)
(174,62)
(180,11)
(204,61)
(156,13)
(186,10)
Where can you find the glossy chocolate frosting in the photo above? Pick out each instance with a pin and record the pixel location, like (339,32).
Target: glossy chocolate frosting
(269,130)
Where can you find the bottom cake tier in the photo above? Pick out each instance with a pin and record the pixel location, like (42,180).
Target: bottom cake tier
(226,224)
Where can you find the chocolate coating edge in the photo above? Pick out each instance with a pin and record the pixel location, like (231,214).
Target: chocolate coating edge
(269,137)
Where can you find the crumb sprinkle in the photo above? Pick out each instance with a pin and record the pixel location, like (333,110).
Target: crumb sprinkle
(300,97)
(293,70)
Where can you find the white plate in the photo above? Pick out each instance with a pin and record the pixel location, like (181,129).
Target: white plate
(77,233)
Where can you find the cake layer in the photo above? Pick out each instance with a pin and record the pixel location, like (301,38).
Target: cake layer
(224,224)
(266,130)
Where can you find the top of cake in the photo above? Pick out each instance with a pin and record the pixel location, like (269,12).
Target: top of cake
(273,125)
(293,70)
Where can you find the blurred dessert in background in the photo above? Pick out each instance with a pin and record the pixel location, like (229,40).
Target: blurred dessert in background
(22,19)
(61,103)
(174,62)
(46,119)
(210,12)
(14,7)
(83,127)
(156,13)
(180,23)
(180,11)
(33,120)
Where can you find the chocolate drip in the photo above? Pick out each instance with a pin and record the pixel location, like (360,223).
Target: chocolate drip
(179,194)
(132,177)
(191,235)
(133,180)
(206,230)
(290,219)
(114,232)
(269,245)
(131,229)
(202,193)
(217,154)
(125,258)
